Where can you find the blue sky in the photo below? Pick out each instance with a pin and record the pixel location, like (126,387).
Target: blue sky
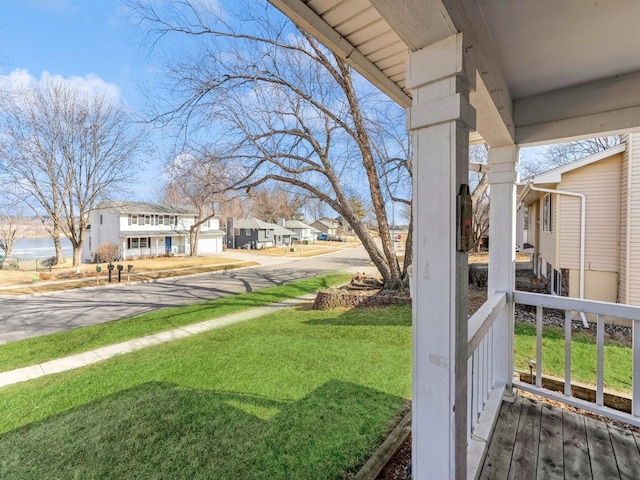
(88,40)
(69,38)
(83,39)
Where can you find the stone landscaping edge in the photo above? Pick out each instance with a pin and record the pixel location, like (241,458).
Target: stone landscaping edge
(372,468)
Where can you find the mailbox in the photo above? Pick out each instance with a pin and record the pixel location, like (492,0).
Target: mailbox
(110,267)
(98,268)
(120,267)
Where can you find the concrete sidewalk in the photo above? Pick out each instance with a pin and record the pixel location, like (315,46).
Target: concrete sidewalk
(103,353)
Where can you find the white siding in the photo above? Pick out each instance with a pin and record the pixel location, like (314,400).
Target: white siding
(633,273)
(624,178)
(599,182)
(548,240)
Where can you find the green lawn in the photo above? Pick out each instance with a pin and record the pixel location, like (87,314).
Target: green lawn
(617,358)
(298,394)
(40,349)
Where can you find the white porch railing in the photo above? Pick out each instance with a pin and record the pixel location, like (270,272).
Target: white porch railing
(484,392)
(600,309)
(151,252)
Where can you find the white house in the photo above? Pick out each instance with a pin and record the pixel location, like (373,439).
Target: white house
(301,230)
(145,229)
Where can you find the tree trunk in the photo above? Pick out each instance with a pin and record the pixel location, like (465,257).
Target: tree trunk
(58,246)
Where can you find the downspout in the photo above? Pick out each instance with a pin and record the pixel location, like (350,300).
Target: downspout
(583,216)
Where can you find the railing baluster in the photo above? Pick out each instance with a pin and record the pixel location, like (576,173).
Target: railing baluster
(476,391)
(470,394)
(484,388)
(635,408)
(567,352)
(600,344)
(538,346)
(490,378)
(481,368)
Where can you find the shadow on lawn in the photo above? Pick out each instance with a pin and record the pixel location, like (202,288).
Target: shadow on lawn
(159,430)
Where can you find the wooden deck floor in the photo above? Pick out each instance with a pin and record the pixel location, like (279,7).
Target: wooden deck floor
(534,440)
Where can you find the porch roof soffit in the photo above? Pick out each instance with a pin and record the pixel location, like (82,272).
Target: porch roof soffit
(546,71)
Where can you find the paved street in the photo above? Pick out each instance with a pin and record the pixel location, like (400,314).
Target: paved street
(30,316)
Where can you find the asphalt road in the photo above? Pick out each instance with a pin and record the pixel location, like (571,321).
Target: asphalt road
(34,315)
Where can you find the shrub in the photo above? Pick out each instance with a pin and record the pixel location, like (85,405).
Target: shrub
(44,276)
(108,252)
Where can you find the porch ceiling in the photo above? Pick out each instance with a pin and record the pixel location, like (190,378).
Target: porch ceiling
(548,70)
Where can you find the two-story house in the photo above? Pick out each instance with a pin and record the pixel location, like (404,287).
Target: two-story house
(580,223)
(142,229)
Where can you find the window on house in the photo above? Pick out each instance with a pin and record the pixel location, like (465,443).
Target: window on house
(134,219)
(147,220)
(547,213)
(142,242)
(267,233)
(140,219)
(167,220)
(247,232)
(556,282)
(160,220)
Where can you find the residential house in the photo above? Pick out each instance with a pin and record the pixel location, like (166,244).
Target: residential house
(582,229)
(344,228)
(327,225)
(148,229)
(253,233)
(301,230)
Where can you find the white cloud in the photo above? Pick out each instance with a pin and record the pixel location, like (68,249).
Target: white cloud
(89,84)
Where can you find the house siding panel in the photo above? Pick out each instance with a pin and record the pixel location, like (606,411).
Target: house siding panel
(624,178)
(599,182)
(633,249)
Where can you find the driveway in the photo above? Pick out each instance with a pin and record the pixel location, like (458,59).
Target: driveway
(31,316)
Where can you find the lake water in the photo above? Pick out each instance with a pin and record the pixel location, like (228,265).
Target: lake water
(30,248)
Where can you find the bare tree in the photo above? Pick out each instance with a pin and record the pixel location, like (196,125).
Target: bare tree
(272,202)
(10,214)
(479,185)
(293,112)
(64,150)
(200,180)
(562,153)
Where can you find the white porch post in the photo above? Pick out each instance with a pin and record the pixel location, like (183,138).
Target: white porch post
(502,254)
(439,119)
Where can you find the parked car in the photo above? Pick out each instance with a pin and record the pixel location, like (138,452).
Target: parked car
(323,236)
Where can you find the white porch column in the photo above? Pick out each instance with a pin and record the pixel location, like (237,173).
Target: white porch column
(439,119)
(502,253)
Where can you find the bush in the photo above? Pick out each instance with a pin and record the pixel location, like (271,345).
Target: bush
(108,252)
(44,276)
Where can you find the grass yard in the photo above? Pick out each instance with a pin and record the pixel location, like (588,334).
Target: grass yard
(40,349)
(617,358)
(299,394)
